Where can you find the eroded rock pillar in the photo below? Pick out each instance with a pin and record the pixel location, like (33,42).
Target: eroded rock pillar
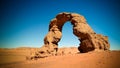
(55,32)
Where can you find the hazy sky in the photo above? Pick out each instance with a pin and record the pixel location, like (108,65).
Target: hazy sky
(24,23)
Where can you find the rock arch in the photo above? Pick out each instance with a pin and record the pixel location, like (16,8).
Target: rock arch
(89,39)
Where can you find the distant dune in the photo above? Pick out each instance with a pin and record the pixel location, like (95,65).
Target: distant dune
(66,58)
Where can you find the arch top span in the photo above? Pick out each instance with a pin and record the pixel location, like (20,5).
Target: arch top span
(74,18)
(90,41)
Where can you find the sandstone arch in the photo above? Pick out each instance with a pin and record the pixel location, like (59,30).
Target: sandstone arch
(89,39)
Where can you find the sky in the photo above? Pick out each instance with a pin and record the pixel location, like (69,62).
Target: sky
(24,23)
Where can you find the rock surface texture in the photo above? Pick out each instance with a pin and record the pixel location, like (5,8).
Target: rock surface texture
(90,41)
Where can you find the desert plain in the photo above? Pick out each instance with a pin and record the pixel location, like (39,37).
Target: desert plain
(68,57)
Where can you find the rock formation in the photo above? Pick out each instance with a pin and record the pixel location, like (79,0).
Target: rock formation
(90,41)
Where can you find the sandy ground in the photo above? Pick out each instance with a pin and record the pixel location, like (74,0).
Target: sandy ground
(16,58)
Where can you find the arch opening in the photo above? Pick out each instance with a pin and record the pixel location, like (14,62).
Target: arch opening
(68,39)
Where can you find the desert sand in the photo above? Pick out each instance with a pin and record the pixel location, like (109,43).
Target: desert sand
(69,58)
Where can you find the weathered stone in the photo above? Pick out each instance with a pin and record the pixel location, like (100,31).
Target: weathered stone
(89,39)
